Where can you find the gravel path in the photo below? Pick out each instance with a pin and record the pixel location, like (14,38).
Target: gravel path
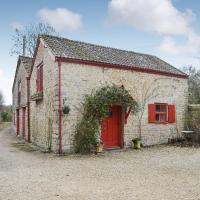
(157,173)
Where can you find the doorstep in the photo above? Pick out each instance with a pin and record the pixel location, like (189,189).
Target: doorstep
(114,149)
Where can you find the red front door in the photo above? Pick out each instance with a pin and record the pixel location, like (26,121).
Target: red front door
(17,122)
(111,128)
(24,122)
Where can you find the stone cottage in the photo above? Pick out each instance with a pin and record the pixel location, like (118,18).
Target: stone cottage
(64,71)
(20,93)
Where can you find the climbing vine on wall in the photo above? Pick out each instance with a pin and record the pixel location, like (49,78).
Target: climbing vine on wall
(95,109)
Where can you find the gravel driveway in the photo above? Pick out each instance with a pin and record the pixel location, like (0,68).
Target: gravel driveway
(156,173)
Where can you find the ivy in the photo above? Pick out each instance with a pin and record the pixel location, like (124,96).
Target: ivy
(95,109)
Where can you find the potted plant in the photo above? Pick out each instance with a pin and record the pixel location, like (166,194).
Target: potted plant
(136,143)
(99,145)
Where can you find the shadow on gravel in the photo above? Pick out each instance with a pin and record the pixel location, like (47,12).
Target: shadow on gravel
(4,125)
(23,146)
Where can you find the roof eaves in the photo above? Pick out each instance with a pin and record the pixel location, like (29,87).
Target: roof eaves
(167,68)
(121,67)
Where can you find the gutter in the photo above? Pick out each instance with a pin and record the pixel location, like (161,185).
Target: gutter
(59,107)
(122,67)
(28,107)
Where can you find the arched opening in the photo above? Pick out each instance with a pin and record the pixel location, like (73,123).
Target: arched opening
(103,108)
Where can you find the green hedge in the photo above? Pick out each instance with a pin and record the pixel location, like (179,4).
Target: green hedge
(6,117)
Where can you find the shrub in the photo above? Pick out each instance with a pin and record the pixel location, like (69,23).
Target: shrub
(95,109)
(193,123)
(6,117)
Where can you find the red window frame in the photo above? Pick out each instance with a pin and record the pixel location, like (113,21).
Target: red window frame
(18,121)
(24,121)
(39,78)
(19,92)
(161,113)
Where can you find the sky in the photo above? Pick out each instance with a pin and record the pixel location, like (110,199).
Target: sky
(168,29)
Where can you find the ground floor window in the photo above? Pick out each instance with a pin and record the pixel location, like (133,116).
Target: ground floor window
(161,113)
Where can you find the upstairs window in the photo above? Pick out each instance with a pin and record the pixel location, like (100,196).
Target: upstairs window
(19,92)
(161,113)
(39,79)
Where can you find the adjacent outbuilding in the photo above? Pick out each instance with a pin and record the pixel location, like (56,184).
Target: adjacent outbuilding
(20,93)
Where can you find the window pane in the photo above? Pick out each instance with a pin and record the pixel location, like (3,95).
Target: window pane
(161,118)
(161,108)
(157,108)
(157,118)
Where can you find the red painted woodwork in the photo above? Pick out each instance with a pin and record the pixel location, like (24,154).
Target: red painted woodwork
(24,122)
(163,114)
(151,112)
(39,79)
(28,108)
(18,122)
(121,67)
(171,114)
(127,114)
(111,134)
(59,107)
(19,93)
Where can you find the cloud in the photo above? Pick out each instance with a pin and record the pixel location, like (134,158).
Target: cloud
(61,18)
(17,25)
(192,45)
(152,15)
(157,16)
(6,86)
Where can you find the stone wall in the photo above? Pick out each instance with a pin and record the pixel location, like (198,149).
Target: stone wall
(79,80)
(43,113)
(20,76)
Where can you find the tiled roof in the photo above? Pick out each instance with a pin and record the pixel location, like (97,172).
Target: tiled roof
(71,49)
(27,62)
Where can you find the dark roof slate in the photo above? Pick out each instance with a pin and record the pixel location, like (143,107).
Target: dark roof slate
(71,49)
(27,63)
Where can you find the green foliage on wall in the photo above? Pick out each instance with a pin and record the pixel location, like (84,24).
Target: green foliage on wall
(95,109)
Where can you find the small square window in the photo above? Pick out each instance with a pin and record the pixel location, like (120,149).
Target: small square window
(161,108)
(161,117)
(161,113)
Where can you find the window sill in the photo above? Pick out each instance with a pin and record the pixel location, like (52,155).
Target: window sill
(159,122)
(37,96)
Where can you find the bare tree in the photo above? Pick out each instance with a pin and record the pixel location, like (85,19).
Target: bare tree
(148,91)
(144,94)
(194,84)
(25,40)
